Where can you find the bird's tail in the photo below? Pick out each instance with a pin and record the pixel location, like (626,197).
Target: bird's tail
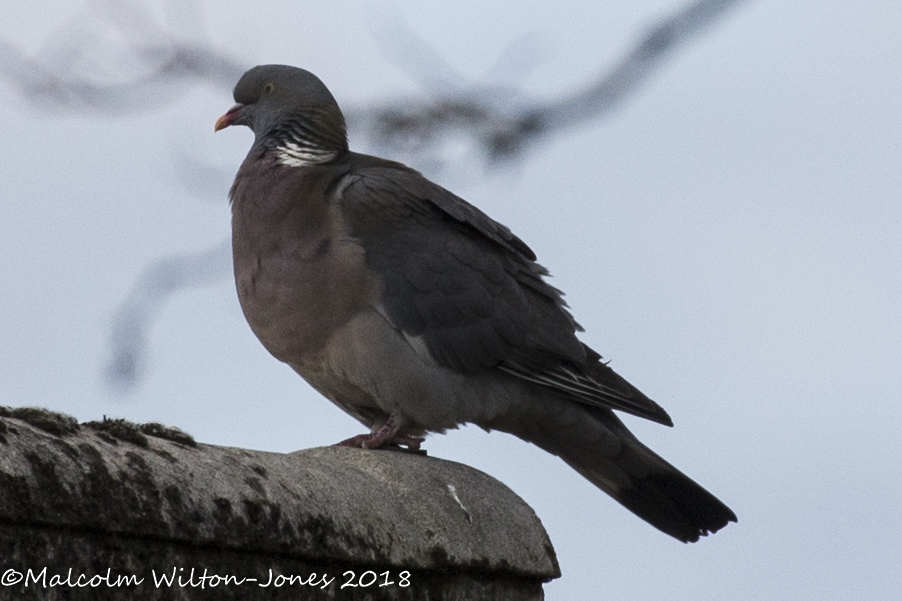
(595,443)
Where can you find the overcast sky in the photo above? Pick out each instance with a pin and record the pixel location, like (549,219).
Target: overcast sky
(731,239)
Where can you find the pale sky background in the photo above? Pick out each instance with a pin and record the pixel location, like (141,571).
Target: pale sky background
(731,239)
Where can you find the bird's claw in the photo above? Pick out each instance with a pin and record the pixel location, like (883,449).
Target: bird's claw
(386,435)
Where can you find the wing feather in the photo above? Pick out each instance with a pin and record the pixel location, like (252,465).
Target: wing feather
(471,290)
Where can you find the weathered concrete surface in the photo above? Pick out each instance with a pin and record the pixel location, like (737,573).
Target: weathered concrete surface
(112,495)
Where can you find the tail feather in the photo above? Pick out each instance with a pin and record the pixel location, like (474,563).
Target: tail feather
(595,443)
(676,505)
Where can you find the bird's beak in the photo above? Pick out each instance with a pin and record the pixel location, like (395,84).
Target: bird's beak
(229,118)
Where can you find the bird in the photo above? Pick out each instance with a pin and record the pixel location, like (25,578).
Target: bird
(415,312)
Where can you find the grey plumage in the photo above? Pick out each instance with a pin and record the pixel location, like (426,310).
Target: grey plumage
(415,312)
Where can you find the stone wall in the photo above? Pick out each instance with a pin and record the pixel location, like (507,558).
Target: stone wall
(109,508)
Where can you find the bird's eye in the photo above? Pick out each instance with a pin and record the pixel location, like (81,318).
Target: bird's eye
(268,88)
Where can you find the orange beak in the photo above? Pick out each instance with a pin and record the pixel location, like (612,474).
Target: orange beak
(229,118)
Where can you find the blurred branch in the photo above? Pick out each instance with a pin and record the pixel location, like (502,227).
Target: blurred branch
(113,58)
(503,132)
(139,65)
(128,336)
(609,90)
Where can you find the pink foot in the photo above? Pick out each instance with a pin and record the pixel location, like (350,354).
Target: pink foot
(384,436)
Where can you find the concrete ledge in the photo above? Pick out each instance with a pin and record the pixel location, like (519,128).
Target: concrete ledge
(146,500)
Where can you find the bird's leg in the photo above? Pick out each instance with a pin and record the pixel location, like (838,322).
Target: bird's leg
(385,435)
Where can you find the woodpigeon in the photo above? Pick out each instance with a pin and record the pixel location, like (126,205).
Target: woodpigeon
(415,312)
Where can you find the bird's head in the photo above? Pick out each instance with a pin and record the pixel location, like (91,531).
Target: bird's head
(270,96)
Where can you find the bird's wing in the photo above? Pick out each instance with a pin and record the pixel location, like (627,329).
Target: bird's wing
(471,291)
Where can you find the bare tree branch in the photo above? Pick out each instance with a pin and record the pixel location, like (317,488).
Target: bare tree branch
(111,60)
(611,88)
(143,66)
(173,66)
(164,277)
(503,132)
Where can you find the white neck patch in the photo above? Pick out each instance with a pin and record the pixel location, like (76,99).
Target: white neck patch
(295,155)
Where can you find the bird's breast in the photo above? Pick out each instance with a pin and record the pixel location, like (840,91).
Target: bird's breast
(299,275)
